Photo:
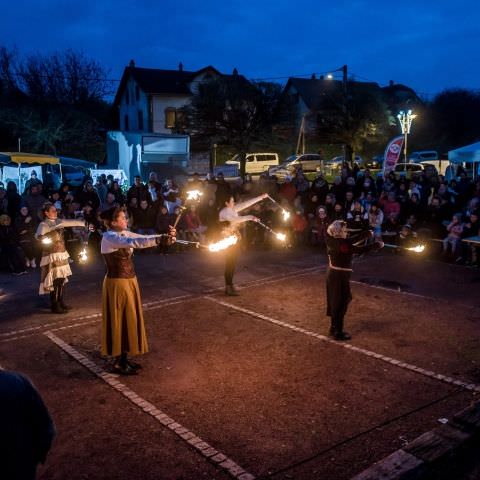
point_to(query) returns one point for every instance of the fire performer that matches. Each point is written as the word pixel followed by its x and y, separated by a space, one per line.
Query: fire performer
pixel 123 328
pixel 340 251
pixel 231 220
pixel 54 266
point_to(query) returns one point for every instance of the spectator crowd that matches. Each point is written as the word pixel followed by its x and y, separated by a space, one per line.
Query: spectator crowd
pixel 397 209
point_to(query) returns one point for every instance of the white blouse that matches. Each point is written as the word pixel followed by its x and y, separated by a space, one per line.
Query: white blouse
pixel 112 240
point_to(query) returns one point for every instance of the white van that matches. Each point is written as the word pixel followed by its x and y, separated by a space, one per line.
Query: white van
pixel 424 155
pixel 255 162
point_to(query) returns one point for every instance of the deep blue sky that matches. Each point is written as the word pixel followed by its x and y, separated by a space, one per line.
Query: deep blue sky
pixel 428 45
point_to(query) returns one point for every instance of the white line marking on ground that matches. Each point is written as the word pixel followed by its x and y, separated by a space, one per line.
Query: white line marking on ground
pixel 193 440
pixel 348 346
pixel 18 334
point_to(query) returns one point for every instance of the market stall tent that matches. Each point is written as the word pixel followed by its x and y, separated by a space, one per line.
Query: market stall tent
pixel 467 154
pixel 30 158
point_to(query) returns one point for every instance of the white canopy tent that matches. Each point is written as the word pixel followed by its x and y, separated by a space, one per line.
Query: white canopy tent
pixel 469 155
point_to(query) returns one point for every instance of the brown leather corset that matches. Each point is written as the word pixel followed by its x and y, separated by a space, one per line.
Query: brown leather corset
pixel 119 264
pixel 58 242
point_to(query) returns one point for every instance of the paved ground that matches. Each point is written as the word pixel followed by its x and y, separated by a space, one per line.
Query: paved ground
pixel 249 386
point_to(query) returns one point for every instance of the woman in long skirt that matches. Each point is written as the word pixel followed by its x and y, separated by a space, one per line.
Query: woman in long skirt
pixel 123 328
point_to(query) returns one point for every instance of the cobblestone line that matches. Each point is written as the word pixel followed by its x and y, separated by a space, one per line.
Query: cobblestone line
pixel 190 438
pixel 348 346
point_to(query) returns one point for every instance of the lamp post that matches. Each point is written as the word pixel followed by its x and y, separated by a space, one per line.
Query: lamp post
pixel 405 120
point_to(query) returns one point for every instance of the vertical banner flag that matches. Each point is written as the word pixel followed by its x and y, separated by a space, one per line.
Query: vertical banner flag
pixel 392 154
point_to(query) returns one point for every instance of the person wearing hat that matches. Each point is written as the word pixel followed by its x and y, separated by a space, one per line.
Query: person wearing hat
pixel 123 328
pixel 340 251
pixel 54 265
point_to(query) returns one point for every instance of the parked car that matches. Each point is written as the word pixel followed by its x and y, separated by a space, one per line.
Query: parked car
pixel 417 157
pixel 308 162
pixel 375 162
pixel 256 162
pixel 336 162
pixel 412 170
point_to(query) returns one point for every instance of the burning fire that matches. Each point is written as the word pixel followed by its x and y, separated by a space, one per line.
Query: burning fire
pixel 223 244
pixel 417 248
pixel 286 215
pixel 281 236
pixel 194 194
pixel 47 241
pixel 83 256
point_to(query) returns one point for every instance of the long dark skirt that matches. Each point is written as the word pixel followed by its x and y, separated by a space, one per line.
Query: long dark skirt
pixel 338 296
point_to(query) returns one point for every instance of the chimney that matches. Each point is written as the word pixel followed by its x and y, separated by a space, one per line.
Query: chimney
pixel 235 72
pixel 180 67
pixel 132 63
pixel 314 77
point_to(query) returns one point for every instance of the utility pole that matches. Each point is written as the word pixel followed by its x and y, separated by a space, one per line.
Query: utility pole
pixel 346 148
pixel 301 136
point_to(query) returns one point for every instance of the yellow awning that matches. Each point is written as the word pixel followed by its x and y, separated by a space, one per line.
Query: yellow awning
pixel 19 157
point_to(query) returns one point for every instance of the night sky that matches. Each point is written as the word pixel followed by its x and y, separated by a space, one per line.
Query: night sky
pixel 428 45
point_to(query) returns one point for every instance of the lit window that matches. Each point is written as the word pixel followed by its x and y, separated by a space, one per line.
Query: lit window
pixel 170 118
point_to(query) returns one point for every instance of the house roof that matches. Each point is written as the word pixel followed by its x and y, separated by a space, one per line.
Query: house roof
pixel 313 91
pixel 161 82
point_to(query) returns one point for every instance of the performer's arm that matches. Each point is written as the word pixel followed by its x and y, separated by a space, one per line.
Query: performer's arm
pixel 230 215
pixel 248 203
pixel 113 240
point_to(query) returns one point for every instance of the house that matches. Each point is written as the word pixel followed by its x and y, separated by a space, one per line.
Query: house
pixel 311 95
pixel 150 104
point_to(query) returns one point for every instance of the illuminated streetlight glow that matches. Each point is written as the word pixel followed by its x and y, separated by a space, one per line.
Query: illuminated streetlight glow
pixel 405 120
pixel 329 76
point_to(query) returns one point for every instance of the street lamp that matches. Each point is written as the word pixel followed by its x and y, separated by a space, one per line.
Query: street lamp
pixel 405 120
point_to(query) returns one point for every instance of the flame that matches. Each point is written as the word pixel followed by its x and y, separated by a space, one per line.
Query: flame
pixel 83 256
pixel 47 241
pixel 417 248
pixel 194 194
pixel 286 215
pixel 281 236
pixel 223 244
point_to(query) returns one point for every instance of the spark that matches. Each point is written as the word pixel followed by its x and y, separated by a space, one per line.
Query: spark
pixel 281 236
pixel 46 241
pixel 223 244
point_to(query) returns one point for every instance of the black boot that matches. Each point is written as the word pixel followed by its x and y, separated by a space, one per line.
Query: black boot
pixel 336 330
pixel 122 366
pixel 61 302
pixel 54 305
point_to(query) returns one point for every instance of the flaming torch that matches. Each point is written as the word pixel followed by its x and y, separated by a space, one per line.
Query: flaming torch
pixel 83 255
pixel 416 249
pixel 285 213
pixel 223 244
pixel 47 241
pixel 279 236
pixel 194 195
